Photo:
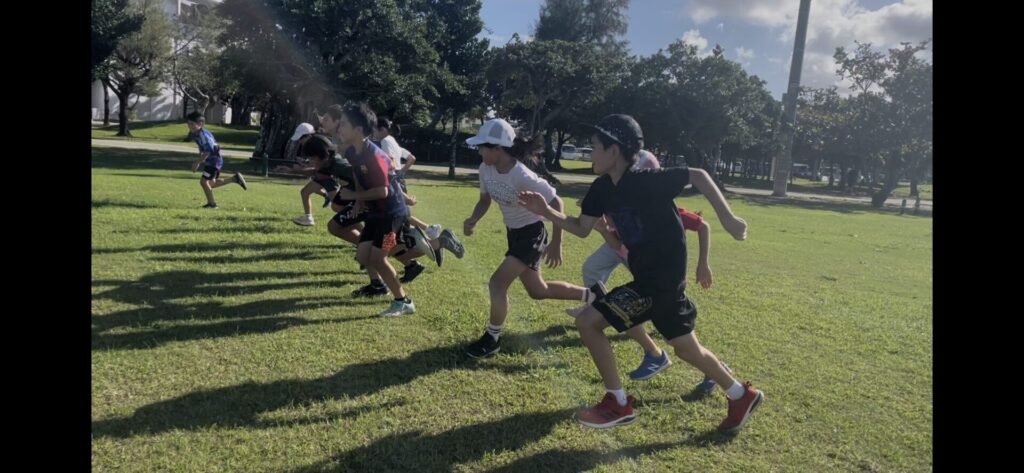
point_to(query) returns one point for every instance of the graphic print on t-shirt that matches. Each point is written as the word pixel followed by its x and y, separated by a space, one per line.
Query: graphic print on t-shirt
pixel 502 192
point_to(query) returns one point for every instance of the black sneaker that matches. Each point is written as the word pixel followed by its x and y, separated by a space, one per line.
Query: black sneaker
pixel 451 243
pixel 210 206
pixel 486 346
pixel 327 200
pixel 241 181
pixel 439 256
pixel 370 290
pixel 411 272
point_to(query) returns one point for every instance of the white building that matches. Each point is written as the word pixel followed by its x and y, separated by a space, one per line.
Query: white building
pixel 168 105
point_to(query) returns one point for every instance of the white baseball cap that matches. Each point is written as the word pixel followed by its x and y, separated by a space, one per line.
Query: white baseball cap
pixel 494 131
pixel 302 130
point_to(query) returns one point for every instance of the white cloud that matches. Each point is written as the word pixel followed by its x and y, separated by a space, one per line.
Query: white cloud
pixel 832 23
pixel 744 53
pixel 721 26
pixel 693 37
pixel 496 40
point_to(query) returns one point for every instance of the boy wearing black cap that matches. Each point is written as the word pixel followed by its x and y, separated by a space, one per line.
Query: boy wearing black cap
pixel 640 203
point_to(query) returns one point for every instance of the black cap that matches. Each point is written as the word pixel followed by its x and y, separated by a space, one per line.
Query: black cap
pixel 622 129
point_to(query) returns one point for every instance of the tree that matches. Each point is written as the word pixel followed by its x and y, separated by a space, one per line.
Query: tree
pixel 540 82
pixel 196 66
pixel 139 62
pixel 111 22
pixel 893 110
pixel 463 60
pixel 601 22
pixel 302 55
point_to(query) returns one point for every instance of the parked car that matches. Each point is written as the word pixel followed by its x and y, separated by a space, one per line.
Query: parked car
pixel 584 153
pixel 570 152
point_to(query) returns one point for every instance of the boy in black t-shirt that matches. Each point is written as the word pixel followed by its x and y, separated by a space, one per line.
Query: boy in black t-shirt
pixel 641 205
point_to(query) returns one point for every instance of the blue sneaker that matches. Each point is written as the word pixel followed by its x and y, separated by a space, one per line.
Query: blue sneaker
pixel 707 384
pixel 650 366
pixel 399 308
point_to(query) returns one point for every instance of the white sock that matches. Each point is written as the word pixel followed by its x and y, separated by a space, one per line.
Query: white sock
pixel 309 216
pixel 588 296
pixel 736 391
pixel 620 395
pixel 494 330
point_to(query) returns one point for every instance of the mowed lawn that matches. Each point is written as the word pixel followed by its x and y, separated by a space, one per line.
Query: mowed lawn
pixel 227 340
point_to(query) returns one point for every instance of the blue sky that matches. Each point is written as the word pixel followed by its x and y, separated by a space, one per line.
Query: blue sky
pixel 756 33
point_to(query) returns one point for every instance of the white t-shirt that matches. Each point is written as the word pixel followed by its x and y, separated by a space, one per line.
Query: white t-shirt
pixel 504 189
pixel 390 146
pixel 646 160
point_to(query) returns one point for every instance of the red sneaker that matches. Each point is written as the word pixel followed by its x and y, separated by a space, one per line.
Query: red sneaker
pixel 608 413
pixel 740 409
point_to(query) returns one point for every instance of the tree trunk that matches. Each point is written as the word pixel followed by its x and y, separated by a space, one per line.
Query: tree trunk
pixel 122 115
pixel 204 106
pixel 716 155
pixel 438 114
pixel 549 152
pixel 454 144
pixel 557 164
pixel 276 125
pixel 892 179
pixel 913 187
pixel 831 174
pixel 240 114
pixel 106 104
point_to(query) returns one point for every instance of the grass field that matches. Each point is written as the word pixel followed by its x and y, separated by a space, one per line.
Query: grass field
pixel 226 340
pixel 174 132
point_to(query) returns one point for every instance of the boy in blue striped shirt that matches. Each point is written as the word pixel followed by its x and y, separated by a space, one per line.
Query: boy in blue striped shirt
pixel 210 158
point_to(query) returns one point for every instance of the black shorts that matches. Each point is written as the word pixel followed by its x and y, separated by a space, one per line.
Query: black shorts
pixel 673 314
pixel 527 244
pixel 343 218
pixel 210 172
pixel 383 231
pixel 327 182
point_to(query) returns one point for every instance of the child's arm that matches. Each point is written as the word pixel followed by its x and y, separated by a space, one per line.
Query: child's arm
pixel 478 212
pixel 704 275
pixel 409 160
pixel 304 170
pixel 736 226
pixel 202 157
pixel 409 200
pixel 609 238
pixel 579 226
pixel 553 254
pixel 376 193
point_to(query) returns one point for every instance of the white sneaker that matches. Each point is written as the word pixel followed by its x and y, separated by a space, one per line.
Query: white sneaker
pixel 398 309
pixel 433 231
pixel 305 220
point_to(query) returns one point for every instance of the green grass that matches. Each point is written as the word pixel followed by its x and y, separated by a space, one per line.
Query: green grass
pixel 226 340
pixel 818 187
pixel 576 166
pixel 174 132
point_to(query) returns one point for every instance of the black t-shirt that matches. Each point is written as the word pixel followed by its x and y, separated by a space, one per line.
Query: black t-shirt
pixel 641 207
pixel 342 171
